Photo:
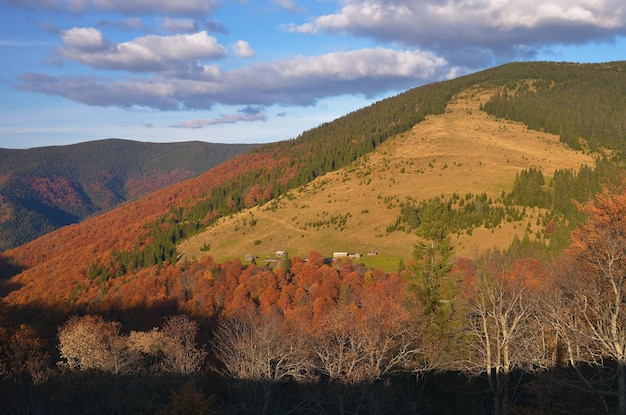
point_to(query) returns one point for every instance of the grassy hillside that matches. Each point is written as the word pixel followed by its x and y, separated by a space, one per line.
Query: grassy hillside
pixel 461 151
pixel 44 188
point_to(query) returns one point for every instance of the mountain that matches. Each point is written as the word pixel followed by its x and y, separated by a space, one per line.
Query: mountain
pixel 42 189
pixel 458 154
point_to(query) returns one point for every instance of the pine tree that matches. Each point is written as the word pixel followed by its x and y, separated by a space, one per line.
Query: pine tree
pixel 428 273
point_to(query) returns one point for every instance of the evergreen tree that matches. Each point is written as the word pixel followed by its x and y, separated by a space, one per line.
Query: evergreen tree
pixel 429 274
pixel 434 217
pixel 430 268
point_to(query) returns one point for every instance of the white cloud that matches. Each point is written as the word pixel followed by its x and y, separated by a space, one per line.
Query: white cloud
pixel 307 28
pixel 365 63
pixel 491 27
pixel 297 81
pixel 224 119
pixel 83 38
pixel 243 49
pixel 144 54
pixel 179 25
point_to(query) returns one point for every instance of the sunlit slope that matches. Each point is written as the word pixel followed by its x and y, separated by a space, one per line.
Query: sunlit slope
pixel 463 151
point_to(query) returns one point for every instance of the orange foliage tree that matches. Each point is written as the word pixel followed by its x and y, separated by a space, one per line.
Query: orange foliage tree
pixel 595 294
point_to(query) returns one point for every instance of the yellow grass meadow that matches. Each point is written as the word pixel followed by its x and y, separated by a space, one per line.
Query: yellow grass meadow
pixel 463 150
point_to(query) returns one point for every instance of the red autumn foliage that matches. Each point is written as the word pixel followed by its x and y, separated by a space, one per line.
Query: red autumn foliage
pixel 141 185
pixel 55 264
pixel 58 191
pixel 306 295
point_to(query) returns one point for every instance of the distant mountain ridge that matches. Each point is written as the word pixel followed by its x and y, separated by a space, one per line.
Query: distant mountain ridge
pixel 44 188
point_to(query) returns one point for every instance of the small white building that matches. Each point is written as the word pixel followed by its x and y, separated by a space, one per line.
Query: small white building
pixel 347 254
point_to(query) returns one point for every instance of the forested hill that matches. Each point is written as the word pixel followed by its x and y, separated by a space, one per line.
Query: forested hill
pixel 47 187
pixel 146 234
pixel 583 103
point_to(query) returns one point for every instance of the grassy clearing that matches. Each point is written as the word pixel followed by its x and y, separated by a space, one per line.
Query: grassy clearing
pixel 462 151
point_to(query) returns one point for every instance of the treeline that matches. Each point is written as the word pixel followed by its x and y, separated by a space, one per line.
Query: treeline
pixel 583 104
pixel 459 214
pixel 497 334
pixel 87 161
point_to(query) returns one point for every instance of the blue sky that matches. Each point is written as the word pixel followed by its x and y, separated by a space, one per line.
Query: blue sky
pixel 260 71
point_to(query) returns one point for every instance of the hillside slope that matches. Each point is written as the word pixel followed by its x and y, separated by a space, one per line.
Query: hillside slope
pixel 338 187
pixel 461 151
pixel 44 188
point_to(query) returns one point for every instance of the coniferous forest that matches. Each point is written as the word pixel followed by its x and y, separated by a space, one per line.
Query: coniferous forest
pixel 103 318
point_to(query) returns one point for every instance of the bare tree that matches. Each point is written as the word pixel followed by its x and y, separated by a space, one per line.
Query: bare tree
pixel 502 327
pixel 90 342
pixel 261 349
pixel 595 331
pixel 360 345
pixel 181 354
pixel 172 347
pixel 573 347
pixel 353 349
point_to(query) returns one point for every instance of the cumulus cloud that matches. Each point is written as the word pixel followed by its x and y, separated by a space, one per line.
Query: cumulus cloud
pixel 486 27
pixel 243 49
pixel 83 38
pixel 144 54
pixel 198 8
pixel 297 81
